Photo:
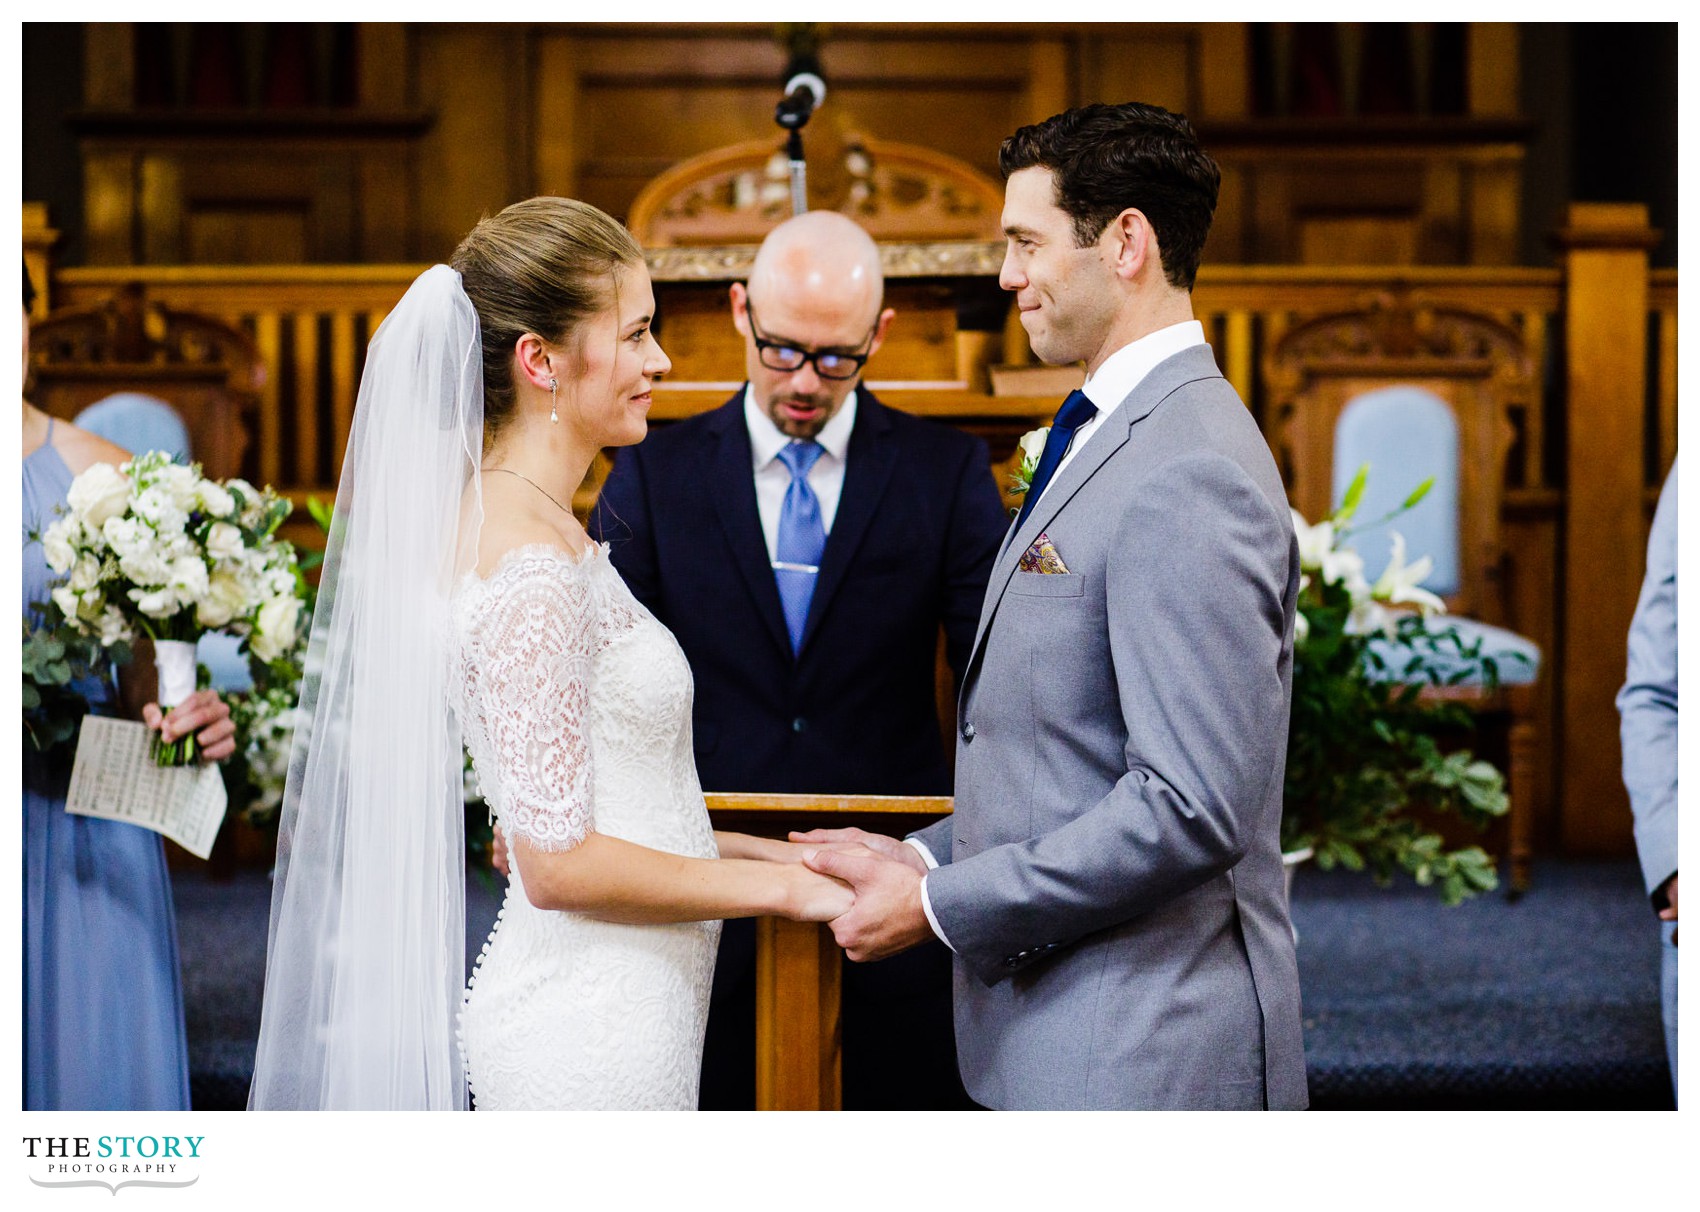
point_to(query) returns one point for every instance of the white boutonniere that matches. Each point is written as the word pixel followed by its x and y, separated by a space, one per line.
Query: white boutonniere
pixel 1032 446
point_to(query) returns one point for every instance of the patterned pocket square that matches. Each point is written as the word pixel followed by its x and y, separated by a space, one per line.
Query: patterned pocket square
pixel 1042 557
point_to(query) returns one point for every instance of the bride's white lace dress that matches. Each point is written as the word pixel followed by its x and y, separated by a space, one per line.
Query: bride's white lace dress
pixel 576 705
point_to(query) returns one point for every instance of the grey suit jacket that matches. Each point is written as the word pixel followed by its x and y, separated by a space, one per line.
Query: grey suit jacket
pixel 1647 704
pixel 1111 878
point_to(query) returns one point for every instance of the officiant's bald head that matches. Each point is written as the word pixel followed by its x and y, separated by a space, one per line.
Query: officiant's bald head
pixel 810 316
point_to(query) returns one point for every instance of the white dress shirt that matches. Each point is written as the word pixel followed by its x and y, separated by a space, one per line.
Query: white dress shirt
pixel 1115 380
pixel 773 477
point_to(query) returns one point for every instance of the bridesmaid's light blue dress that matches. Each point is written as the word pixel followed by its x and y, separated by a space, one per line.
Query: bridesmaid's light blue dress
pixel 103 997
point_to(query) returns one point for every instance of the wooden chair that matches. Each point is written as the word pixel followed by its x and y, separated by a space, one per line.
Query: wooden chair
pixel 204 368
pixel 897 191
pixel 1437 391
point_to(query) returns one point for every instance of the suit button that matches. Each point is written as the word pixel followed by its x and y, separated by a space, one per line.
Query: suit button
pixel 799 725
pixel 1011 961
pixel 968 731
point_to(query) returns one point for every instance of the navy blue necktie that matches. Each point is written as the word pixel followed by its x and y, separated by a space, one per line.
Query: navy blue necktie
pixel 1075 412
pixel 801 539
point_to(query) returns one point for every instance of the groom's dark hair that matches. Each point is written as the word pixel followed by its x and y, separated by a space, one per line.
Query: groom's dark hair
pixel 1107 158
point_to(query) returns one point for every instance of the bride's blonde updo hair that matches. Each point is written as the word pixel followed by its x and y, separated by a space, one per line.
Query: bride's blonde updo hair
pixel 545 265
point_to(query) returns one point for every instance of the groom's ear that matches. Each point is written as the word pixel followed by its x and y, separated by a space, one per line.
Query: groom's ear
pixel 1132 245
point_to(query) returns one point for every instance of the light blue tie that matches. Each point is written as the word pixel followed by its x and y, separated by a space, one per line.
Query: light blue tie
pixel 802 538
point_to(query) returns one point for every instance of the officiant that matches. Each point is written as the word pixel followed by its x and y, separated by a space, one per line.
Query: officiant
pixel 805 544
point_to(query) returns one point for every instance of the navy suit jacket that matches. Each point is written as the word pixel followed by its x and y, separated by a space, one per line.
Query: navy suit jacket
pixel 911 547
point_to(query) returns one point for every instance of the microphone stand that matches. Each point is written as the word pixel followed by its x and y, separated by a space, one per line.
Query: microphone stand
pixel 804 91
pixel 799 171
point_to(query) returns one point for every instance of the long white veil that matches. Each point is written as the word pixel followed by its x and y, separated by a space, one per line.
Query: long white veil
pixel 366 955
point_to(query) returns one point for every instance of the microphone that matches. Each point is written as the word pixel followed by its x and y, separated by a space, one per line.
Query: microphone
pixel 804 92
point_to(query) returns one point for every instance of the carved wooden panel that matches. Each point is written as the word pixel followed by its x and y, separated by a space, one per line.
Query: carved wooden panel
pixel 209 371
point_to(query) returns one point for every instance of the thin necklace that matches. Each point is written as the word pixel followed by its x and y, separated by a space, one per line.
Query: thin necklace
pixel 533 483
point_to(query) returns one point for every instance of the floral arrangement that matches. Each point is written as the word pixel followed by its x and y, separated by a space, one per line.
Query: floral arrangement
pixel 155 548
pixel 1365 767
pixel 266 715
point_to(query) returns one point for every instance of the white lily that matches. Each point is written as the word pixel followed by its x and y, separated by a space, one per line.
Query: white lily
pixel 1399 584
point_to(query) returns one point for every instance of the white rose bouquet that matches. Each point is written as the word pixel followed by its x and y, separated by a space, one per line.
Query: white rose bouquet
pixel 155 547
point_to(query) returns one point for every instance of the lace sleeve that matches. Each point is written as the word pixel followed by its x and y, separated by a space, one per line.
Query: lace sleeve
pixel 529 682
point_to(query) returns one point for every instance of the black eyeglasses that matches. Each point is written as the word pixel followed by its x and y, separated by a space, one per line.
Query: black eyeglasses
pixel 777 355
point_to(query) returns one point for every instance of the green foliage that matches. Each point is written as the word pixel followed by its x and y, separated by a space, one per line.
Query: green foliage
pixel 1367 754
pixel 59 664
pixel 1364 755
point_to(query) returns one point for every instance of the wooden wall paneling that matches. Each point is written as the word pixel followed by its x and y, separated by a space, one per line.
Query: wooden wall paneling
pixel 1604 549
pixel 331 221
pixel 343 384
pixel 304 408
pixel 109 65
pixel 39 238
pixel 1156 65
pixel 384 58
pixel 1050 81
pixel 109 204
pixel 268 340
pixel 1237 355
pixel 1495 207
pixel 385 216
pixel 160 209
pixel 1491 61
pixel 1667 390
pixel 1533 325
pixel 1224 70
pixel 1531 533
pixel 1443 207
pixel 555 156
pixel 469 162
pixel 1270 217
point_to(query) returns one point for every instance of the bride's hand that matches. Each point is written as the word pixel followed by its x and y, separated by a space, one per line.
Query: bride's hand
pixel 851 839
pixel 809 897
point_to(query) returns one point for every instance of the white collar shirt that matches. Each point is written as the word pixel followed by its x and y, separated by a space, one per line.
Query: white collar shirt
pixel 1125 370
pixel 773 477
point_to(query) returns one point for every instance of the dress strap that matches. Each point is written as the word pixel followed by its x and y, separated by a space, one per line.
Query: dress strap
pixel 51 422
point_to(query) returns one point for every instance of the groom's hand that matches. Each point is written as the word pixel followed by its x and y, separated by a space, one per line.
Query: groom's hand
pixel 887 916
pixel 879 843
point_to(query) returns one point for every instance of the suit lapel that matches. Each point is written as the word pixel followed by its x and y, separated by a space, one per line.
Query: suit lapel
pixel 1167 376
pixel 732 488
pixel 870 460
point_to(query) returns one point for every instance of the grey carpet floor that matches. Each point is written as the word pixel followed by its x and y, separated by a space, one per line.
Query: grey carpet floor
pixel 1550 1002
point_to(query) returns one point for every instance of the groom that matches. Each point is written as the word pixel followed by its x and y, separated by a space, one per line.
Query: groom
pixel 1110 882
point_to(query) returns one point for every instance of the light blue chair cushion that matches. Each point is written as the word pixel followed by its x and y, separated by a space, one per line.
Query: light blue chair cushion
pixel 1505 647
pixel 139 423
pixel 1405 434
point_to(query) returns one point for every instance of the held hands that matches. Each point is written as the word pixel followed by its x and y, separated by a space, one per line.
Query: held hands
pixel 1668 914
pixel 811 897
pixel 886 876
pixel 202 713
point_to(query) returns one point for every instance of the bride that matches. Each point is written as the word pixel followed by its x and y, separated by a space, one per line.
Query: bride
pixel 461 599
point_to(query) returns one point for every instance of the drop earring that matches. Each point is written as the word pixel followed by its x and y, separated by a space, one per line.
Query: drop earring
pixel 554 417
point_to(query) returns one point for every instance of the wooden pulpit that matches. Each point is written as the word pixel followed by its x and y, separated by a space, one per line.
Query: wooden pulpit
pixel 798 1036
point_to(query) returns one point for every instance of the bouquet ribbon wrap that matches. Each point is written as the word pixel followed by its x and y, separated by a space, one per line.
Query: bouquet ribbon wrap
pixel 174 661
